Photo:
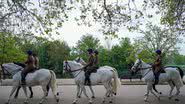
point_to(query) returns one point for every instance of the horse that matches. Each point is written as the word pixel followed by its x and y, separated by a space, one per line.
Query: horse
pixel 43 77
pixel 82 62
pixel 171 75
pixel 30 88
pixel 103 75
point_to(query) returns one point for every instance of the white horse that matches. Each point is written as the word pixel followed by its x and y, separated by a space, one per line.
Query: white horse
pixel 103 75
pixel 43 77
pixel 171 75
pixel 82 62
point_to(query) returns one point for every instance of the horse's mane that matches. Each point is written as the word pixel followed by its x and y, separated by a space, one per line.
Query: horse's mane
pixel 76 63
pixel 20 64
pixel 12 68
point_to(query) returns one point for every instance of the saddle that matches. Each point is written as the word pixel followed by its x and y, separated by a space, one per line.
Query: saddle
pixel 162 70
pixel 95 69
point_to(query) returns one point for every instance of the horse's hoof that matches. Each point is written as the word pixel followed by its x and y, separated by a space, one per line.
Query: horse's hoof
pixel 40 103
pixel 26 102
pixel 57 100
pixel 145 99
pixel 176 99
pixel 108 95
pixel 159 98
pixel 57 94
pixel 15 97
pixel 90 102
pixel 79 96
pixel 74 102
pixel 31 96
pixel 93 97
pixel 103 101
pixel 110 102
pixel 6 103
pixel 169 98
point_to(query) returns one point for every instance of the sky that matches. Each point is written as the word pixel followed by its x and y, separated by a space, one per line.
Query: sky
pixel 71 32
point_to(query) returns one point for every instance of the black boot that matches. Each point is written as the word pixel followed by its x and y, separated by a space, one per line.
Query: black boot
pixel 23 82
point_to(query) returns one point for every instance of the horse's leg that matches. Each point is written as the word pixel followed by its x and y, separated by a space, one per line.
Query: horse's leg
pixel 172 87
pixel 111 91
pixel 17 92
pixel 154 88
pixel 147 93
pixel 47 87
pixel 31 92
pixel 25 92
pixel 80 92
pixel 77 94
pixel 84 91
pixel 11 93
pixel 107 91
pixel 55 94
pixel 45 94
pixel 150 89
pixel 90 87
pixel 177 93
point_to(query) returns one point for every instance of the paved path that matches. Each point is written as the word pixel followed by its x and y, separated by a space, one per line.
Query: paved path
pixel 8 82
pixel 128 94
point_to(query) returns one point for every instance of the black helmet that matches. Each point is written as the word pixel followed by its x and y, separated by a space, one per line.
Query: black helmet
pixel 90 50
pixel 96 52
pixel 158 51
pixel 29 52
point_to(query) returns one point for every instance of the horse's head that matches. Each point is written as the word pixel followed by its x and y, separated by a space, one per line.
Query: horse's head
pixel 11 68
pixel 71 66
pixel 137 66
pixel 80 60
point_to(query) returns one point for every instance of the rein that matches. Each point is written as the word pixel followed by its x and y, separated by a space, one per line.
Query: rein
pixel 70 71
pixel 142 68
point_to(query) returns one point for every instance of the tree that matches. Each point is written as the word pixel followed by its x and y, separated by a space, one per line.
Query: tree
pixel 120 54
pixel 10 52
pixel 87 41
pixel 156 37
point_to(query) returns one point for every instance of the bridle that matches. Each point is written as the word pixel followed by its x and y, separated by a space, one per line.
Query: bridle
pixel 68 69
pixel 137 66
pixel 140 64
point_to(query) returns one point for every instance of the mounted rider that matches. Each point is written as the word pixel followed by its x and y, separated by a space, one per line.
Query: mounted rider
pixel 157 66
pixel 96 60
pixel 36 60
pixel 89 67
pixel 30 66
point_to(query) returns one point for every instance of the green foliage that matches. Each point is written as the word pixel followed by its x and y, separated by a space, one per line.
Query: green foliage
pixel 9 51
pixel 87 41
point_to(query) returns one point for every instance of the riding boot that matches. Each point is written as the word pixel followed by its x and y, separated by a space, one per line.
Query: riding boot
pixel 23 75
pixel 87 79
pixel 156 78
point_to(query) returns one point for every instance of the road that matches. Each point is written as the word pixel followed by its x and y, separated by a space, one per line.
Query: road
pixel 127 94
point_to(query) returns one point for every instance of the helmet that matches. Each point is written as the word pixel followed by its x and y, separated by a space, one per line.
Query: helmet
pixel 158 51
pixel 90 50
pixel 96 52
pixel 29 52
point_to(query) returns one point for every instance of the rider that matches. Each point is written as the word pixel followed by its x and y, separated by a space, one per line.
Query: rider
pixel 36 60
pixel 157 66
pixel 89 67
pixel 96 60
pixel 30 65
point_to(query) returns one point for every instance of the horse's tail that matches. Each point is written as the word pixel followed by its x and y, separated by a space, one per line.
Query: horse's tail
pixel 116 82
pixel 176 77
pixel 181 72
pixel 53 83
